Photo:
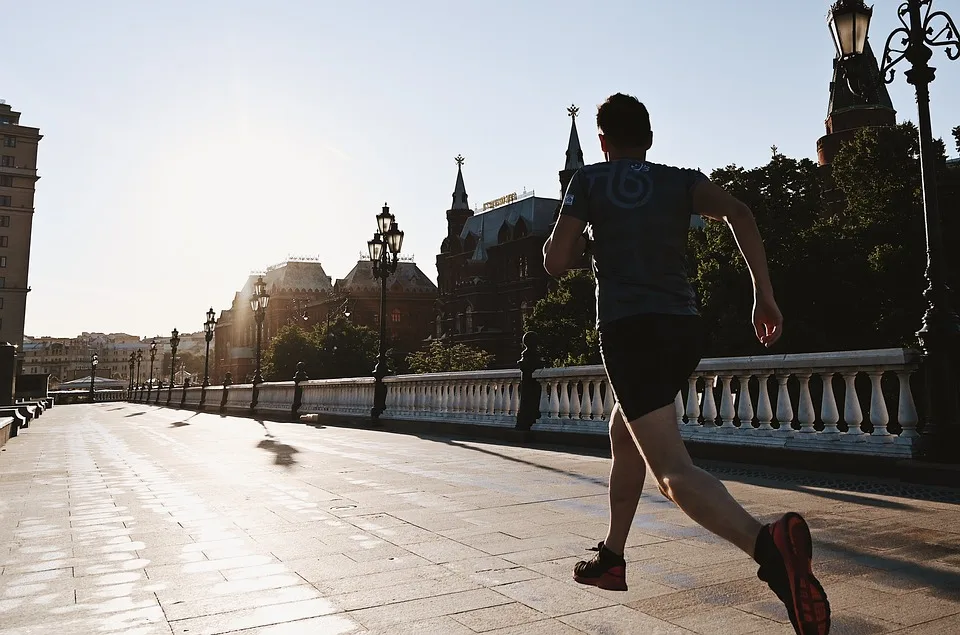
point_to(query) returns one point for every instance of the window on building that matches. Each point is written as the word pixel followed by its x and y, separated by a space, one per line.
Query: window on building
pixel 395 316
pixel 3 283
pixel 6 201
pixel 4 241
pixel 1 303
pixel 469 328
pixel 9 142
pixel 3 262
pixel 7 161
pixel 4 221
pixel 6 181
pixel 522 268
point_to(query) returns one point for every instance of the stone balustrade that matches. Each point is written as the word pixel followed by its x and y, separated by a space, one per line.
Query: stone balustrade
pixel 816 403
pixel 489 398
pixel 275 397
pixel 211 401
pixel 239 397
pixel 192 397
pixel 351 397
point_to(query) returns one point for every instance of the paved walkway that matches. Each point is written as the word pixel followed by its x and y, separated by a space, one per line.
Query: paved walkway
pixel 119 518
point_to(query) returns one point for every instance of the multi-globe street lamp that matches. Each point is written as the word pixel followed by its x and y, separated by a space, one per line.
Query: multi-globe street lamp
pixel 94 361
pixel 384 251
pixel 153 356
pixel 208 328
pixel 139 359
pixel 174 343
pixel 258 302
pixel 922 28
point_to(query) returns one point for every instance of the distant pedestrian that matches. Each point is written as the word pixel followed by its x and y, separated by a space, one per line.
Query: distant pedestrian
pixel 652 339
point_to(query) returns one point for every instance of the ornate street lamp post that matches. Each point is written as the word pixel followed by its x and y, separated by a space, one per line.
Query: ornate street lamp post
pixel 922 28
pixel 139 359
pixel 208 328
pixel 93 374
pixel 153 356
pixel 384 252
pixel 259 302
pixel 174 343
pixel 133 363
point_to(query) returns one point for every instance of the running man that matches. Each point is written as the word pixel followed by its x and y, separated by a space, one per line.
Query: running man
pixel 652 339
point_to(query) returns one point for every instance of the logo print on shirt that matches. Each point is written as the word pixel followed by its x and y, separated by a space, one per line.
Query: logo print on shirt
pixel 568 200
pixel 629 187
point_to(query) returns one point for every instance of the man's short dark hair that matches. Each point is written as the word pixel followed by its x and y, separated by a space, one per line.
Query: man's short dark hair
pixel 624 121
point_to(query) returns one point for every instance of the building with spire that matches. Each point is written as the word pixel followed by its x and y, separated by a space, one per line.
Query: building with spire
pixel 490 267
pixel 858 99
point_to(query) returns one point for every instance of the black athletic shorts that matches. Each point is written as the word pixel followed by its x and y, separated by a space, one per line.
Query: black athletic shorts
pixel 649 358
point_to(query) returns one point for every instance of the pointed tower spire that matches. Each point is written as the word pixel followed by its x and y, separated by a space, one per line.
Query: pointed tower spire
pixel 574 152
pixel 460 190
pixel 460 211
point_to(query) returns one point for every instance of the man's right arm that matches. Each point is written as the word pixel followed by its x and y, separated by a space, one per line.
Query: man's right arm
pixel 712 201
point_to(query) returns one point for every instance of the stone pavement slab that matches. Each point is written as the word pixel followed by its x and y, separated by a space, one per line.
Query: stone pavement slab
pixel 131 519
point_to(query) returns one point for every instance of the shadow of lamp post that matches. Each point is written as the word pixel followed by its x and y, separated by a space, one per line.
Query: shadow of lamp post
pixel 384 252
pixel 922 28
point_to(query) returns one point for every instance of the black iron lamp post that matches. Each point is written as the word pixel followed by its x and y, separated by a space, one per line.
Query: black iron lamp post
pixel 93 374
pixel 139 359
pixel 153 356
pixel 922 28
pixel 208 328
pixel 174 343
pixel 259 302
pixel 133 363
pixel 384 252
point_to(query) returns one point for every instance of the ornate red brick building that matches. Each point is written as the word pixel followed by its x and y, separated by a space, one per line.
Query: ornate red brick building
pixel 490 267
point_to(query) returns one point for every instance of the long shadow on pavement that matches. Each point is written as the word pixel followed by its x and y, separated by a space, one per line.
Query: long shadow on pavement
pixel 134 414
pixel 284 453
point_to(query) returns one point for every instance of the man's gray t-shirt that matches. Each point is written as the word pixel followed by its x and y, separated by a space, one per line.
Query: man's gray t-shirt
pixel 638 214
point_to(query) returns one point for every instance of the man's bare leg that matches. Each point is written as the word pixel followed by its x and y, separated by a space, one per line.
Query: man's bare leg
pixel 627 472
pixel 699 494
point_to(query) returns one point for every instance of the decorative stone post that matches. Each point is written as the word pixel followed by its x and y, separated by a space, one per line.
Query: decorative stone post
pixel 529 410
pixel 183 394
pixel 227 381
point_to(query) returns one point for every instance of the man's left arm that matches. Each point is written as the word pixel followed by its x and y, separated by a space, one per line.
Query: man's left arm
pixel 567 243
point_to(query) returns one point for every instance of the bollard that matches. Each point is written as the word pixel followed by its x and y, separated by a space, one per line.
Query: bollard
pixel 298 378
pixel 529 410
pixel 227 380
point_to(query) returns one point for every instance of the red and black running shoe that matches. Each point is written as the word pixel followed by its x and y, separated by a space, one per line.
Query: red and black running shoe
pixel 606 570
pixel 785 554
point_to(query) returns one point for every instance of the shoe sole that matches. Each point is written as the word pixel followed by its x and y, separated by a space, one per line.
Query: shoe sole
pixel 606 582
pixel 810 603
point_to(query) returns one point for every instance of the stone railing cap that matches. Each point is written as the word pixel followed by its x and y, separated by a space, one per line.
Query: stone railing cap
pixel 346 382
pixel 509 373
pixel 277 384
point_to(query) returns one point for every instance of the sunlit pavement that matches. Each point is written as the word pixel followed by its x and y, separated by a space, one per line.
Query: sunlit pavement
pixel 119 518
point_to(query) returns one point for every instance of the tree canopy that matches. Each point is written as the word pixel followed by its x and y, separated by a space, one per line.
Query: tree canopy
pixel 956 137
pixel 445 357
pixel 341 349
pixel 565 321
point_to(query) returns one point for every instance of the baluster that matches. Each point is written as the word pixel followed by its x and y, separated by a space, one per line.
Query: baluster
pixel 545 394
pixel 807 414
pixel 745 404
pixel 828 409
pixel 709 406
pixel 564 399
pixel 498 398
pixel 554 399
pixel 609 400
pixel 596 405
pixel 514 397
pixel 678 406
pixel 586 410
pixel 906 410
pixel 852 413
pixel 784 406
pixel 727 411
pixel 491 398
pixel 879 415
pixel 693 402
pixel 575 399
pixel 764 409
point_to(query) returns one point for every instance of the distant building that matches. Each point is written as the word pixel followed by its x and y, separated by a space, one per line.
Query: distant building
pixel 18 179
pixel 68 358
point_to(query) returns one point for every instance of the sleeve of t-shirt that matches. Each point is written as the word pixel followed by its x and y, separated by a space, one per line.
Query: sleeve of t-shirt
pixel 692 178
pixel 575 203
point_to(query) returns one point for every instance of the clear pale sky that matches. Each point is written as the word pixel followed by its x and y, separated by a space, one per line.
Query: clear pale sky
pixel 188 142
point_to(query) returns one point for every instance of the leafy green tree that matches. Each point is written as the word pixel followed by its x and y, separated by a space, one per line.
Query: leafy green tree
pixel 444 357
pixel 291 344
pixel 346 350
pixel 565 321
pixel 956 137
